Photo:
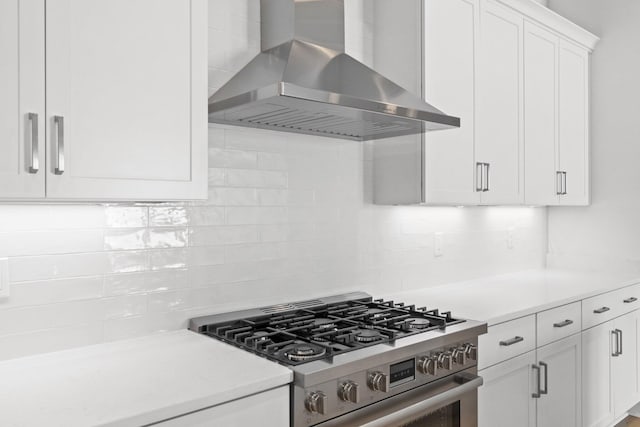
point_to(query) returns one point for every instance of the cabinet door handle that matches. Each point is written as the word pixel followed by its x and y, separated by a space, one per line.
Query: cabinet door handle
pixel 615 352
pixel 564 183
pixel 630 300
pixel 558 183
pixel 563 323
pixel 34 161
pixel 511 341
pixel 601 310
pixel 486 182
pixel 59 167
pixel 546 378
pixel 619 332
pixel 537 393
pixel 479 177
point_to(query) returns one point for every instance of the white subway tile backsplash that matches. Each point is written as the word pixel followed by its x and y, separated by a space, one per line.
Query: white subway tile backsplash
pixel 288 218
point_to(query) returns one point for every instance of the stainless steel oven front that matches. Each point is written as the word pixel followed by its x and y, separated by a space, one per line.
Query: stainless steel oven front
pixel 448 402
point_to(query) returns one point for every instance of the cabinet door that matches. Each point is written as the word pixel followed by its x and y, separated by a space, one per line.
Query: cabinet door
pixel 504 400
pixel 624 368
pixel 449 83
pixel 597 406
pixel 22 99
pixel 128 79
pixel 540 107
pixel 561 405
pixel 573 119
pixel 500 134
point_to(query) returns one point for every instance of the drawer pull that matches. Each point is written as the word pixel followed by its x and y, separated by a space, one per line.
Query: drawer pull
pixel 563 324
pixel 512 341
pixel 630 300
pixel 601 310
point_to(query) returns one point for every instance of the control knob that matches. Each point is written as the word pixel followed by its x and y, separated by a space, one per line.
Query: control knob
pixel 459 355
pixel 445 360
pixel 349 392
pixel 428 365
pixel 471 351
pixel 378 381
pixel 316 402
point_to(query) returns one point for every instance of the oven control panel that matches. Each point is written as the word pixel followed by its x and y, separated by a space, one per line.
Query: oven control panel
pixel 367 386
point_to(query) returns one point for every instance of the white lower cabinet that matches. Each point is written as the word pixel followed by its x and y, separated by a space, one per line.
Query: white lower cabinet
pixel 504 400
pixel 267 409
pixel 539 388
pixel 610 370
pixel 559 364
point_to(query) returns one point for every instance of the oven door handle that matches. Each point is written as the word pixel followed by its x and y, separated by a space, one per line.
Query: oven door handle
pixel 427 405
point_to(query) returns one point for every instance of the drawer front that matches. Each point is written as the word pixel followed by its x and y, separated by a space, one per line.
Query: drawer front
pixel 558 323
pixel 627 299
pixel 506 340
pixel 600 309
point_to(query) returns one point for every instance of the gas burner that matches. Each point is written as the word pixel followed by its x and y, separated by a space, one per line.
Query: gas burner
pixel 418 323
pixel 303 351
pixel 324 323
pixel 368 335
pixel 376 313
pixel 259 336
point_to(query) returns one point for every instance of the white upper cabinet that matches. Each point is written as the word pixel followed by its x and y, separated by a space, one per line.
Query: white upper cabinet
pixel 450 32
pixel 22 110
pixel 540 77
pixel 499 142
pixel 573 123
pixel 126 100
pixel 556 118
pixel 517 75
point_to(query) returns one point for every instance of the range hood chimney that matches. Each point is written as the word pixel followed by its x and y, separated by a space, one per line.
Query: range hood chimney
pixel 304 82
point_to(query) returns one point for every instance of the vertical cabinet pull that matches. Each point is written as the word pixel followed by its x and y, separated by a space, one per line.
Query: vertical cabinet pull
pixel 486 182
pixel 479 177
pixel 558 183
pixel 616 347
pixel 546 379
pixel 59 123
pixel 34 158
pixel 619 332
pixel 564 183
pixel 537 393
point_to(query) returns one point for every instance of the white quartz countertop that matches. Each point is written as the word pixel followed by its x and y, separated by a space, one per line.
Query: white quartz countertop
pixel 131 383
pixel 501 298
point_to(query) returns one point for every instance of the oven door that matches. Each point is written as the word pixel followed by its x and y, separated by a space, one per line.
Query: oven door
pixel 448 402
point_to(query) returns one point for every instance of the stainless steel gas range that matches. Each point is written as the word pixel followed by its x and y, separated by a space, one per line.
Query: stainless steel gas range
pixel 363 362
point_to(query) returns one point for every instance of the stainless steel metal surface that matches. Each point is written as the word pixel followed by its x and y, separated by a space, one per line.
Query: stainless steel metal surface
pixel 349 391
pixel 34 158
pixel 615 343
pixel 413 405
pixel 59 165
pixel 479 177
pixel 545 390
pixel 511 341
pixel 563 323
pixel 619 332
pixel 304 82
pixel 536 394
pixel 486 182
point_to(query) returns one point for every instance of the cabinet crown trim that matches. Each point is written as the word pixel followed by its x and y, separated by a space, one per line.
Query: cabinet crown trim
pixel 543 15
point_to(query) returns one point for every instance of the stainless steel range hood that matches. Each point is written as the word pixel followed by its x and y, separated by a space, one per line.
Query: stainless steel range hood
pixel 304 82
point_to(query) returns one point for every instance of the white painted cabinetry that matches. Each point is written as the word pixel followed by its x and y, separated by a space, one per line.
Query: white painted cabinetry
pixel 126 108
pixel 267 409
pixel 556 81
pixel 504 400
pixel 517 75
pixel 22 97
pixel 499 144
pixel 610 370
pixel 529 386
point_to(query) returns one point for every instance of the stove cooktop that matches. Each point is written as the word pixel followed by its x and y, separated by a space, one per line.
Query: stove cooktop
pixel 297 333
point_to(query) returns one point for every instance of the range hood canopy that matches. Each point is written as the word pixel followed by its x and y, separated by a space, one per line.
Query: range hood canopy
pixel 304 82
